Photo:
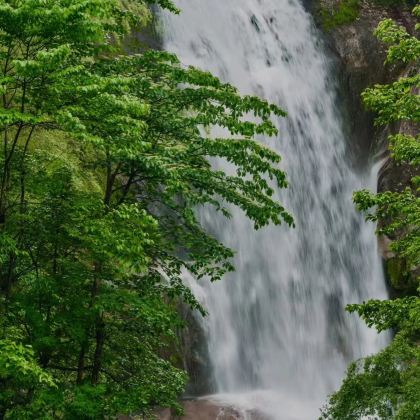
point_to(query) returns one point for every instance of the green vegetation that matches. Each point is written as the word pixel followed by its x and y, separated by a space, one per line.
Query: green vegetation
pixel 387 385
pixel 104 159
pixel 346 11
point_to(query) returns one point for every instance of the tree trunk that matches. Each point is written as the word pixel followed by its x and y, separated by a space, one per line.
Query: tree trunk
pixel 97 358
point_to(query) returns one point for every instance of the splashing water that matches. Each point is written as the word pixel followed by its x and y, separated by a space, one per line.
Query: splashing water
pixel 278 336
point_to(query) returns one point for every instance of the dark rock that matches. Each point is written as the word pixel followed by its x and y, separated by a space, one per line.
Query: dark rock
pixel 396 176
pixel 362 57
pixel 195 356
pixel 402 280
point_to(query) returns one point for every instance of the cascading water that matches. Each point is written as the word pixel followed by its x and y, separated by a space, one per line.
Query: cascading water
pixel 278 337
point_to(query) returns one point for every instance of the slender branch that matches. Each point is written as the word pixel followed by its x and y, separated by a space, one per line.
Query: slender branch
pixel 126 188
pixel 110 180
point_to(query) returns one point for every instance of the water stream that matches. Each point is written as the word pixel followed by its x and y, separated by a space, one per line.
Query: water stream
pixel 278 337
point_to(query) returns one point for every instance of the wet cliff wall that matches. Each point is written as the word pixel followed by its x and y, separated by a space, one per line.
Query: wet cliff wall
pixel 361 55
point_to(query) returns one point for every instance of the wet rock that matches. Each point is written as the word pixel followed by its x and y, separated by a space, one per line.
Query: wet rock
pixel 195 356
pixel 210 410
pixel 395 176
pixel 362 57
pixel 384 243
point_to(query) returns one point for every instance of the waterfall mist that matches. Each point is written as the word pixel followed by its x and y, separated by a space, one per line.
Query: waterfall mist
pixel 278 336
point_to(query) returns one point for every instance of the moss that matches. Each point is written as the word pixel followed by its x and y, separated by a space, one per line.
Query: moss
pixel 346 11
pixel 401 279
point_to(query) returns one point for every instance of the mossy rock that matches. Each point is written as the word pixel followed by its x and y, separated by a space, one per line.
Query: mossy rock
pixel 401 279
pixel 344 12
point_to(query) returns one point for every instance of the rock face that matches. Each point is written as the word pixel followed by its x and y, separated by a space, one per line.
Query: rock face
pixel 209 410
pixel 395 176
pixel 359 50
pixel 362 59
pixel 194 353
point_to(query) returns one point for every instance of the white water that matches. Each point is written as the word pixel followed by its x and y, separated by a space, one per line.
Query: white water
pixel 278 336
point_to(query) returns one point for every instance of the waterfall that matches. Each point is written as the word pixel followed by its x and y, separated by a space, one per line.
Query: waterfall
pixel 278 336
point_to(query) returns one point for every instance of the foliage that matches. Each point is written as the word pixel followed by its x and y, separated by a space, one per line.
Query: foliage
pixel 387 385
pixel 346 11
pixel 19 373
pixel 402 46
pixel 382 386
pixel 104 160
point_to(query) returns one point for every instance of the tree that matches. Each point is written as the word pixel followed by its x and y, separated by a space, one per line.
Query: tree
pixel 387 385
pixel 104 161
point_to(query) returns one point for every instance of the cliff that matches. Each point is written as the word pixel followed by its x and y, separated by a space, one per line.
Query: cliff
pixel 361 57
